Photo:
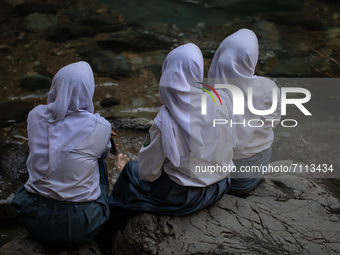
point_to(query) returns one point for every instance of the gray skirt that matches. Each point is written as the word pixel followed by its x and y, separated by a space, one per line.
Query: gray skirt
pixel 131 195
pixel 63 222
pixel 163 196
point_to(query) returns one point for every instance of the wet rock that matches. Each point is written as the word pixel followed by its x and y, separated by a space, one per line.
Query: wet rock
pixel 8 188
pixel 13 111
pixel 293 67
pixel 132 123
pixel 87 26
pixel 5 10
pixel 28 245
pixel 156 69
pixel 310 145
pixel 251 6
pixel 137 102
pixel 8 233
pixel 302 66
pixel 136 40
pixel 268 34
pixel 288 215
pixel 308 20
pixel 135 118
pixel 5 49
pixel 108 102
pixel 48 7
pixel 13 162
pixel 105 62
pixel 35 82
pixel 40 21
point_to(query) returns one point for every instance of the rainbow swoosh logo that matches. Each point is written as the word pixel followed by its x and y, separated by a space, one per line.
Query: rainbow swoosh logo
pixel 207 91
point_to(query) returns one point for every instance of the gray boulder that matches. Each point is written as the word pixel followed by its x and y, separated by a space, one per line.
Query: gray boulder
pixel 35 82
pixel 8 188
pixel 14 111
pixel 29 246
pixel 40 21
pixel 105 61
pixel 283 215
pixel 13 161
pixel 137 40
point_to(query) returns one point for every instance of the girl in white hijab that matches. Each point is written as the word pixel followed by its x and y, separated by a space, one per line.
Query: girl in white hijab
pixel 234 63
pixel 65 198
pixel 162 180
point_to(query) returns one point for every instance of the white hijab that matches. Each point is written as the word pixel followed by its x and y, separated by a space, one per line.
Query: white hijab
pixel 181 71
pixel 236 57
pixel 234 63
pixel 67 119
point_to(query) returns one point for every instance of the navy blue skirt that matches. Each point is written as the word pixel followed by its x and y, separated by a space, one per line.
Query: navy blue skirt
pixel 163 196
pixel 63 222
pixel 131 195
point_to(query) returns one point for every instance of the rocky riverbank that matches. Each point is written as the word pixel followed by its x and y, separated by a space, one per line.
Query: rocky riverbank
pixel 283 215
pixel 126 43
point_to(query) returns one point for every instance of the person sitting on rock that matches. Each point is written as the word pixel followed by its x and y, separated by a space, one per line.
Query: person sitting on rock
pixel 164 180
pixel 65 199
pixel 234 63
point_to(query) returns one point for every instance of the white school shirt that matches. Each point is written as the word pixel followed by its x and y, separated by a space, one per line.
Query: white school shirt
pixel 76 179
pixel 257 135
pixel 151 158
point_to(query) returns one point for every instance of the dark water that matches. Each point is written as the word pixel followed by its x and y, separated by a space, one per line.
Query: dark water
pixel 185 14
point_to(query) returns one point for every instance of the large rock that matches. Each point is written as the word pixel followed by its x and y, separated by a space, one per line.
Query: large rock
pixel 34 82
pixel 136 40
pixel 29 246
pixel 316 145
pixel 310 66
pixel 86 26
pixel 105 61
pixel 47 7
pixel 257 6
pixel 13 161
pixel 291 215
pixel 5 10
pixel 40 21
pixel 136 124
pixel 8 188
pixel 13 111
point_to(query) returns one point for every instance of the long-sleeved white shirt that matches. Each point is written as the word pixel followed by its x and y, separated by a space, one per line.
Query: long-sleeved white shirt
pixel 151 159
pixel 77 177
pixel 257 134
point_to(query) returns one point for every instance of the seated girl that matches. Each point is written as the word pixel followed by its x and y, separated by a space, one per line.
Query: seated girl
pixel 65 199
pixel 164 180
pixel 234 63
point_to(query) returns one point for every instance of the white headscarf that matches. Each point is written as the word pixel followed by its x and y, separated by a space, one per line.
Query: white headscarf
pixel 182 68
pixel 67 119
pixel 236 57
pixel 234 63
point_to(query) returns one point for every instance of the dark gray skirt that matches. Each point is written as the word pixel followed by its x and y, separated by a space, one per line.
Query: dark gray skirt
pixel 63 222
pixel 162 196
pixel 131 195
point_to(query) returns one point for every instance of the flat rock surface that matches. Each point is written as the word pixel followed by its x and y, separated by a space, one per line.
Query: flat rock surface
pixel 30 246
pixel 291 215
pixel 285 214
